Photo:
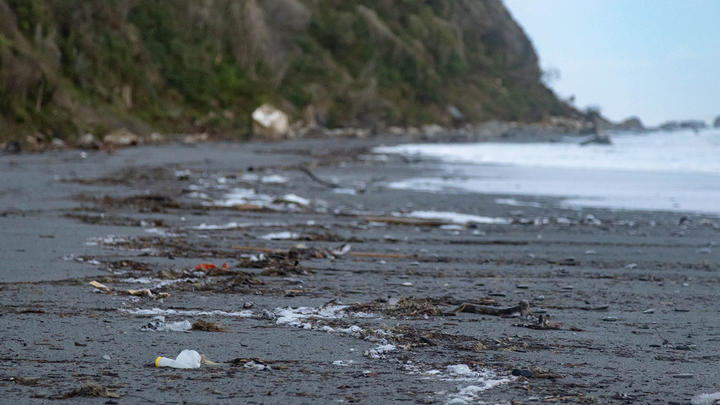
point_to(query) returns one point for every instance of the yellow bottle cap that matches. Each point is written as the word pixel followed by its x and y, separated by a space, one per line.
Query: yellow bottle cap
pixel 157 360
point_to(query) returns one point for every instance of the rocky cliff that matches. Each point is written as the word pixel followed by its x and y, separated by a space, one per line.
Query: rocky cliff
pixel 72 66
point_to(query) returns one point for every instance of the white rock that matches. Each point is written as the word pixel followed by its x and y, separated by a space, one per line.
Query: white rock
pixel 269 122
pixel 121 137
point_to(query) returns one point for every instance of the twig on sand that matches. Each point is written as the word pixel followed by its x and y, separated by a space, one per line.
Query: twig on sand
pixel 374 255
pixel 523 308
pixel 317 179
pixel 381 255
pixel 406 221
pixel 258 249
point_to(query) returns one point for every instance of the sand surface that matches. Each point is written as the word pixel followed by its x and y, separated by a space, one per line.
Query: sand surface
pixel 623 304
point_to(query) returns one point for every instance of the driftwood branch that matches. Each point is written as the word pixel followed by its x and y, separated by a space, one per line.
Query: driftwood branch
pixel 523 308
pixel 407 221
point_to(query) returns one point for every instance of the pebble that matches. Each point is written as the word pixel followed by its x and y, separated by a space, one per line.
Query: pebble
pixel 610 319
pixel 106 357
pixel 631 266
pixel 649 311
pixel 682 375
pixel 522 286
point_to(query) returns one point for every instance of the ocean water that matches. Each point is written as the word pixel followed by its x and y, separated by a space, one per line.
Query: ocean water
pixel 666 171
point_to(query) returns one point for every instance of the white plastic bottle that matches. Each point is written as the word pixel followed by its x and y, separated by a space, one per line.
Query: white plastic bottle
pixel 186 359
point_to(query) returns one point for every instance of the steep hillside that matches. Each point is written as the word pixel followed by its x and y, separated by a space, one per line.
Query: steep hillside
pixel 74 66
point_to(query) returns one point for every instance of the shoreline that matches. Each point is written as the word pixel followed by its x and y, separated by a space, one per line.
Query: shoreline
pixel 631 292
pixel 507 131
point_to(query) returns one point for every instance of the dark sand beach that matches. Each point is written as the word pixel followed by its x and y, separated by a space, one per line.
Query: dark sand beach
pixel 328 297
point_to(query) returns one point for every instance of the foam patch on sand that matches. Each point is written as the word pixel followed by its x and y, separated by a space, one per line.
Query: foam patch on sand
pixel 158 282
pixel 379 351
pixel 454 217
pixel 106 240
pixel 480 379
pixel 240 196
pixel 303 317
pixel 185 312
pixel 247 196
pixel 280 236
pixel 161 232
pixel 706 399
pixel 517 203
pixel 312 318
pixel 270 179
pixel 229 225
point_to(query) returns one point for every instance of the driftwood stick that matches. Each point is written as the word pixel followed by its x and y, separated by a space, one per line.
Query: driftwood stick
pixel 381 255
pixel 317 179
pixel 258 249
pixel 407 221
pixel 523 308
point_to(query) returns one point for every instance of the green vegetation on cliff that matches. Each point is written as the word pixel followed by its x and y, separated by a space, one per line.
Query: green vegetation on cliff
pixel 73 66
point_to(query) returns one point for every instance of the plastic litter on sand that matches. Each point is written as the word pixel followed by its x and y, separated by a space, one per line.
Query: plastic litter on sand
pixel 186 359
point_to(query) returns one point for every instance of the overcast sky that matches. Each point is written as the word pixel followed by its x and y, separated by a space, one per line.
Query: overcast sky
pixel 657 59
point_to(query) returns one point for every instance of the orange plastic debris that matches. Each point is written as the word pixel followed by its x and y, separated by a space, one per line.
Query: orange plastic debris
pixel 205 266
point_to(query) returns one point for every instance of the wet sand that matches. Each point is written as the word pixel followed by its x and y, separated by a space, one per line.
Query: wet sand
pixel 623 303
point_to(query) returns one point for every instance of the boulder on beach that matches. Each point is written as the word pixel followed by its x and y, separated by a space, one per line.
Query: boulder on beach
pixel 88 141
pixel 695 125
pixel 270 123
pixel 599 135
pixel 630 124
pixel 121 137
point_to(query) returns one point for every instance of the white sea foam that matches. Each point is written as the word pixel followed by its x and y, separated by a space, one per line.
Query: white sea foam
pixel 229 225
pixel 238 196
pixel 274 179
pixel 676 171
pixel 379 351
pixel 706 399
pixel 157 281
pixel 241 196
pixel 270 179
pixel 454 217
pixel 516 203
pixel 301 316
pixel 312 318
pixel 280 236
pixel 342 190
pixel 106 240
pixel 481 380
pixel 296 199
pixel 161 232
pixel 682 151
